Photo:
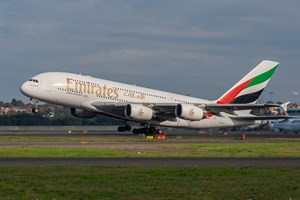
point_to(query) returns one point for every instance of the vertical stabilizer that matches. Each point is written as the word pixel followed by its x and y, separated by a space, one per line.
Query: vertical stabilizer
pixel 249 88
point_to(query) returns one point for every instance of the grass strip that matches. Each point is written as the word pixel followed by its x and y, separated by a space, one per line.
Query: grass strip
pixel 207 150
pixel 98 182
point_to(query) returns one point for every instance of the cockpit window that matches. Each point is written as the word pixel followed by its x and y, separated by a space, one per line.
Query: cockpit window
pixel 34 80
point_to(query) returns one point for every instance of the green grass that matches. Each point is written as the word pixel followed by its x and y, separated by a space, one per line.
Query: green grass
pixel 178 150
pixel 137 183
pixel 174 147
pixel 96 182
pixel 242 150
pixel 71 138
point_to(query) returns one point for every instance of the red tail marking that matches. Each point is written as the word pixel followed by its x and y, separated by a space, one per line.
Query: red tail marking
pixel 233 93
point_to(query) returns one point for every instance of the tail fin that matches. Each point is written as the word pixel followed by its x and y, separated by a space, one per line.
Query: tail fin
pixel 285 106
pixel 249 88
pixel 283 109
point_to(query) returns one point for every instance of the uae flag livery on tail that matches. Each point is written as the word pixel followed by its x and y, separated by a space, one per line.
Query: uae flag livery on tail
pixel 249 88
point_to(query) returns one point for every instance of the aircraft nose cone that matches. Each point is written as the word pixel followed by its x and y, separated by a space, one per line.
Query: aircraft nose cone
pixel 24 89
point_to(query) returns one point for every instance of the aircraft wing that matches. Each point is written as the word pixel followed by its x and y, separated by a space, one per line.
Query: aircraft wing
pixel 166 111
pixel 163 111
pixel 211 108
pixel 115 108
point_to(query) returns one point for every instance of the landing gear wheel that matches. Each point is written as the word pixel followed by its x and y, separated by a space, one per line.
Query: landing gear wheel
pixel 124 128
pixel 128 128
pixel 121 128
pixel 148 131
pixel 35 110
pixel 159 131
pixel 135 131
pixel 153 130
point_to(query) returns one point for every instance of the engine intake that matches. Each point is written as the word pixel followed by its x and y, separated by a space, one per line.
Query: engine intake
pixel 138 112
pixel 189 112
pixel 82 113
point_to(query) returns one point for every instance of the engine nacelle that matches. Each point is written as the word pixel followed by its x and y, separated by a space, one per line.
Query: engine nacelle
pixel 189 112
pixel 82 113
pixel 138 112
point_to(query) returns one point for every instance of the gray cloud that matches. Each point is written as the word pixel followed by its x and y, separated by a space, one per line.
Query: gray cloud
pixel 190 47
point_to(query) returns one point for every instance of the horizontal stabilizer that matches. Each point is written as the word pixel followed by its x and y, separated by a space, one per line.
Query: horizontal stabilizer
pixel 230 108
pixel 251 118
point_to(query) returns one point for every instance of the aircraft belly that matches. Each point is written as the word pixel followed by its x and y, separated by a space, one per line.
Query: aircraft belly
pixel 213 122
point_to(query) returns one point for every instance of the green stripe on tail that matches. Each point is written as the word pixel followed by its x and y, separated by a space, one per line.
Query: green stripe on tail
pixel 262 78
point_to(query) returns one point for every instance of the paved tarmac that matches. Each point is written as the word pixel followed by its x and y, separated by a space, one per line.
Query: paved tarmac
pixel 155 162
pixel 171 134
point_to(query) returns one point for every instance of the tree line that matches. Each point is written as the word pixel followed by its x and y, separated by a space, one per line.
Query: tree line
pixel 24 119
pixel 49 115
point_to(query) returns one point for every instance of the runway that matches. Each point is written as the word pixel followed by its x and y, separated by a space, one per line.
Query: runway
pixel 156 162
pixel 171 134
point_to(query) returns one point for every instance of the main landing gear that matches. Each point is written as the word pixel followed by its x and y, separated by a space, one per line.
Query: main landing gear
pixel 34 105
pixel 144 130
pixel 147 131
pixel 124 128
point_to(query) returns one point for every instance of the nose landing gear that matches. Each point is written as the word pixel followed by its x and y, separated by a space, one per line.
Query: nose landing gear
pixel 34 105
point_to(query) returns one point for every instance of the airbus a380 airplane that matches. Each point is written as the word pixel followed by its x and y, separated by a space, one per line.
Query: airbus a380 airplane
pixel 88 96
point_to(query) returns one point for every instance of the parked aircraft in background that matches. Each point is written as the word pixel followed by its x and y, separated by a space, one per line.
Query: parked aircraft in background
pixel 292 125
pixel 287 125
pixel 88 96
pixel 294 112
pixel 268 124
pixel 282 110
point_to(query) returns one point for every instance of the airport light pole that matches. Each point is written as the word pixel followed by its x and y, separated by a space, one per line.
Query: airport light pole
pixel 297 98
pixel 262 97
pixel 271 94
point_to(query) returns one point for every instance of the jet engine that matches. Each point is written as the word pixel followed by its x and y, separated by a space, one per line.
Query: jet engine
pixel 138 112
pixel 82 113
pixel 189 112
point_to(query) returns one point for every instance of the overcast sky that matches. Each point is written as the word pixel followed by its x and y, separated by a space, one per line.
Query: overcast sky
pixel 197 47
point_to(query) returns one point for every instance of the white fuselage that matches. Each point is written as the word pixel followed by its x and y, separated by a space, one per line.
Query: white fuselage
pixel 76 91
